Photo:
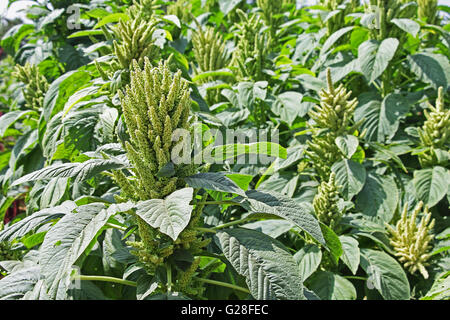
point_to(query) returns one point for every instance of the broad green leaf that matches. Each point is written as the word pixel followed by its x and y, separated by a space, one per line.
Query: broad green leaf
pixel 269 269
pixel 66 242
pixel 290 106
pixel 242 180
pixel 333 38
pixel 214 181
pixel 111 18
pixel 407 25
pixel 350 255
pixel 308 259
pixel 51 17
pixel 53 192
pixel 15 285
pixel 60 91
pixel 379 197
pixel 433 69
pixel 32 222
pixel 272 203
pixel 271 227
pixel 214 73
pixel 81 171
pixel 440 289
pixel 85 33
pixel 230 151
pixel 330 286
pixel 374 57
pixel 170 215
pixel 381 119
pixel 347 144
pixel 281 182
pixel 9 118
pixel 333 244
pixel 226 6
pixel 13 37
pixel 350 176
pixel 431 184
pixel 385 274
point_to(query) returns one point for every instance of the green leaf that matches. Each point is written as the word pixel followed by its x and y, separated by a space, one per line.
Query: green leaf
pixel 214 181
pixel 431 184
pixel 53 192
pixel 290 102
pixel 271 227
pixel 270 271
pixel 111 18
pixel 85 33
pixel 330 286
pixel 34 239
pixel 10 117
pixel 308 259
pixel 333 244
pixel 230 151
pixel 431 68
pixel 333 38
pixel 350 176
pixel 407 25
pixel 214 73
pixel 32 222
pixel 66 241
pixel 81 171
pixel 385 274
pixel 51 17
pixel 347 144
pixel 13 37
pixel 226 6
pixel 350 255
pixel 374 57
pixel 15 285
pixel 272 203
pixel 379 197
pixel 170 215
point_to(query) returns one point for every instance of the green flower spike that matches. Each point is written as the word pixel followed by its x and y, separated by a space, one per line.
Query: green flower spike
pixel 36 85
pixel 252 47
pixel 411 242
pixel 435 132
pixel 325 203
pixel 333 118
pixel 155 104
pixel 210 54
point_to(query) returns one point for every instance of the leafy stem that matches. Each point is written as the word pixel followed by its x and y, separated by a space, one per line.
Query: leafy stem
pixel 224 284
pixel 105 279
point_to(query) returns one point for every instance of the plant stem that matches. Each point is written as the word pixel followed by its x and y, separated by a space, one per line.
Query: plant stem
pixel 355 277
pixel 205 230
pixel 232 223
pixel 169 279
pixel 115 226
pixel 106 279
pixel 224 284
pixel 218 202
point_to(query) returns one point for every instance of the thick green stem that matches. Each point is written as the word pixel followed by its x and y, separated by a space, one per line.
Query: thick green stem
pixel 169 279
pixel 232 223
pixel 106 279
pixel 223 284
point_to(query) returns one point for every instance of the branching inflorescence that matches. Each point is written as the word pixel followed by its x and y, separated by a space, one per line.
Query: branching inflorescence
pixel 435 133
pixel 36 85
pixel 332 118
pixel 211 55
pixel 252 47
pixel 411 241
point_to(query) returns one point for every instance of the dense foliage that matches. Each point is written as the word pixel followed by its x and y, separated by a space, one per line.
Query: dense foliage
pixel 96 97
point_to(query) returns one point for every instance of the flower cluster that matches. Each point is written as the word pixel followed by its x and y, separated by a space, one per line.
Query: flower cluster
pixel 411 241
pixel 435 133
pixel 36 85
pixel 252 47
pixel 326 201
pixel 155 104
pixel 332 118
pixel 210 53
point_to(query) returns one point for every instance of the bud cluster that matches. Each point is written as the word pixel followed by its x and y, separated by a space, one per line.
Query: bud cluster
pixel 36 85
pixel 411 241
